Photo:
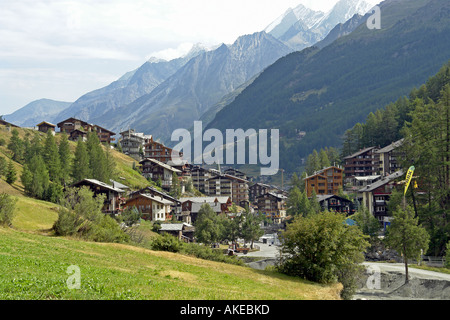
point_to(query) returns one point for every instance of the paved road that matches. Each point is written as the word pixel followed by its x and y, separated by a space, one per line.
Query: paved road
pixel 265 251
pixel 417 273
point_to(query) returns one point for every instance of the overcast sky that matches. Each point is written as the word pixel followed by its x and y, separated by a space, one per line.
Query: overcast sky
pixel 60 49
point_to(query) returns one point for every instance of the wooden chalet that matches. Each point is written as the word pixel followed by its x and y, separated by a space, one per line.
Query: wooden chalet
pixel 153 207
pixel 273 205
pixel 72 124
pixel 113 201
pixel 46 126
pixel 325 182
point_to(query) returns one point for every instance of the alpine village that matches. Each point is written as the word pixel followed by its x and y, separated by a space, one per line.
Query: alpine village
pixel 362 190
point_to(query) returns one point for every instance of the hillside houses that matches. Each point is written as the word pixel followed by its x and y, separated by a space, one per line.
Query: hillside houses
pixel 76 129
pixel 46 126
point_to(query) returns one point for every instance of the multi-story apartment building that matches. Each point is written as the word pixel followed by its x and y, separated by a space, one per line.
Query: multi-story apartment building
pixel 158 171
pixel 375 197
pixel 325 182
pixel 389 158
pixel 133 143
pixel 158 151
pixel 273 205
pixel 362 163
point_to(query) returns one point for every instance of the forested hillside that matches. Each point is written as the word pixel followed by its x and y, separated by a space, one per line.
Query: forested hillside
pixel 325 92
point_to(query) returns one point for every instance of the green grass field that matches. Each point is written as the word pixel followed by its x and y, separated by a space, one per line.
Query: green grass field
pixel 34 266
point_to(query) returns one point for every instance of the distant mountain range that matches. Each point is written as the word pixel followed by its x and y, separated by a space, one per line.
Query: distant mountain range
pixel 197 86
pixel 37 111
pixel 302 27
pixel 163 95
pixel 324 91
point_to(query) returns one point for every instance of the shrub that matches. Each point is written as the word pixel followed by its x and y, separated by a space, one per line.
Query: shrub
pixel 107 230
pixel 166 242
pixel 67 223
pixel 7 207
pixel 206 253
pixel 80 214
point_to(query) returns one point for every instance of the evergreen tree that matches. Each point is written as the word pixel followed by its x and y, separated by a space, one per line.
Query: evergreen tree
pixel 35 178
pixel 110 163
pixel 3 166
pixel 294 202
pixel 314 205
pixel 11 173
pixel 175 188
pixel 97 159
pixel 34 149
pixel 313 163
pixel 324 160
pixel 51 157
pixel 80 166
pixel 15 145
pixel 64 158
pixel 407 237
pixel 251 229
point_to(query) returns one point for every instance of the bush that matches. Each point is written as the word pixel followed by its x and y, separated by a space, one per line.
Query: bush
pixel 107 230
pixel 67 223
pixel 206 253
pixel 80 214
pixel 166 242
pixel 7 207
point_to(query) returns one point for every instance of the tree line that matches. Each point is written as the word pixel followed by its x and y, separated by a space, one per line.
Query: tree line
pixel 49 166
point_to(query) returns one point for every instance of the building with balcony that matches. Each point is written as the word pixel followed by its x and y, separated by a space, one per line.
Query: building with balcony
pixel 113 196
pixel 327 181
pixel 158 171
pixel 361 164
pixel 389 158
pixel 158 151
pixel 273 205
pixel 375 197
pixel 133 143
pixel 153 207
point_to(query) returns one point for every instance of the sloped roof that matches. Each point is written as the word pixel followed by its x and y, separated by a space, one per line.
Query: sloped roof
pixel 197 206
pixel 205 199
pixel 382 182
pixel 391 147
pixel 156 199
pixel 161 164
pixel 47 123
pixel 174 226
pixel 100 184
pixel 359 153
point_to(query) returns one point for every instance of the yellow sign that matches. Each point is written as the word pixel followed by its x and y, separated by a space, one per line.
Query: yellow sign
pixel 409 176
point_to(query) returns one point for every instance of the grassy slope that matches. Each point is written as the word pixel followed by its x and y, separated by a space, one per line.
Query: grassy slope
pixel 34 267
